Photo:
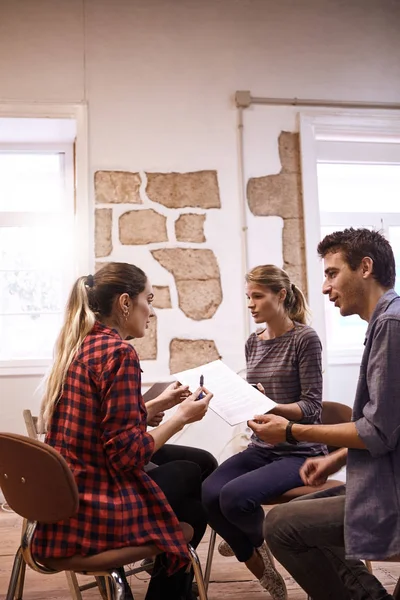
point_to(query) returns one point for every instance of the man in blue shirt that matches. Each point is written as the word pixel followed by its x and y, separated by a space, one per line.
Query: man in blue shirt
pixel 320 539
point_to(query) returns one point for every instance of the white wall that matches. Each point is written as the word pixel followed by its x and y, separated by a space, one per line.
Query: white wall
pixel 159 77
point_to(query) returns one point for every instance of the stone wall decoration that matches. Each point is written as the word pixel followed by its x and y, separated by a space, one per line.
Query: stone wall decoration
pixel 190 228
pixel 142 227
pixel 103 232
pixel 281 195
pixel 116 187
pixel 178 190
pixel 197 279
pixel 146 347
pixel 162 297
pixel 187 354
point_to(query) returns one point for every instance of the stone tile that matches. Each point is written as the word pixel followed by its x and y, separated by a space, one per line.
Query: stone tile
pixel 188 263
pixel 190 228
pixel 289 151
pixel 146 347
pixel 199 299
pixel 178 190
pixel 187 354
pixel 117 187
pixel 142 227
pixel 162 297
pixel 275 195
pixel 103 232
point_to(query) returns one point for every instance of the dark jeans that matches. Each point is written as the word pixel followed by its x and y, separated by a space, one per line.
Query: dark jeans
pixel 307 537
pixel 234 494
pixel 180 481
pixel 179 471
pixel 206 461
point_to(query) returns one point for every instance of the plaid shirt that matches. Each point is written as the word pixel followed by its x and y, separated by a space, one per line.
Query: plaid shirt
pixel 99 427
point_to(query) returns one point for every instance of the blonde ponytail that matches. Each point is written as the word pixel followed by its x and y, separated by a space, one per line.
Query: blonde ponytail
pixel 297 306
pixel 78 322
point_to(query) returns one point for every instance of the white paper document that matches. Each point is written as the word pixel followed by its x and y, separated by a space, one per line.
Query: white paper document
pixel 234 400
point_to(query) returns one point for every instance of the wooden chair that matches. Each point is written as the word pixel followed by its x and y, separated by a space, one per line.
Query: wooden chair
pixel 39 486
pixel 34 432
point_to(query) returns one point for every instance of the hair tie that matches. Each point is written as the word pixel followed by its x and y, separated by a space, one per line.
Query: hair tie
pixel 89 281
pixel 293 288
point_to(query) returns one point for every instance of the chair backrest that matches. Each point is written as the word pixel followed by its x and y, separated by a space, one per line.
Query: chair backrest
pixel 334 413
pixel 32 425
pixel 35 480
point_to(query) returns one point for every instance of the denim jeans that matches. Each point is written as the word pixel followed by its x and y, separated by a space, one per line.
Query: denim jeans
pixel 307 537
pixel 233 495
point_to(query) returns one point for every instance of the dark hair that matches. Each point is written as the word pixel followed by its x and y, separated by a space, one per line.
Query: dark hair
pixel 110 281
pixel 277 279
pixel 355 244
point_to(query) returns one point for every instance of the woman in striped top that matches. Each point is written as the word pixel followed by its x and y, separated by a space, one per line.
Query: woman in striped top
pixel 284 361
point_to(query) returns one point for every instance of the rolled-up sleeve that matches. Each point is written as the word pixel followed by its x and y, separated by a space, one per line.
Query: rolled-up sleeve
pixel 309 355
pixel 123 424
pixel 379 427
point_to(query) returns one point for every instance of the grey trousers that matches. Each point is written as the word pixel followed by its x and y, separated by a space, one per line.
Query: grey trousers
pixel 307 538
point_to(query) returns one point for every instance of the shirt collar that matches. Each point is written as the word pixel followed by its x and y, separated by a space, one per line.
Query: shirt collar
pixel 100 328
pixel 381 307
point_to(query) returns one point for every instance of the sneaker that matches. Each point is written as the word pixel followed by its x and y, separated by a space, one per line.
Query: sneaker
pixel 224 549
pixel 271 580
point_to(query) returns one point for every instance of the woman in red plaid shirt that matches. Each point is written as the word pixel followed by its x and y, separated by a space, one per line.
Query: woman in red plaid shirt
pixel 97 420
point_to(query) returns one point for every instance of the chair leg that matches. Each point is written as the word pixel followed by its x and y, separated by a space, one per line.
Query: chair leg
pixel 15 575
pixel 21 582
pixel 117 586
pixel 198 574
pixel 396 593
pixel 368 564
pixel 210 556
pixel 73 585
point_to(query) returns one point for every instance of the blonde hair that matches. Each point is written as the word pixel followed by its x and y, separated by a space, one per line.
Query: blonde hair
pixel 277 279
pixel 91 297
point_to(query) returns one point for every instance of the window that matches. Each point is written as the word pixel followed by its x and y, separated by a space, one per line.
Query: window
pixel 36 249
pixel 351 178
pixel 356 195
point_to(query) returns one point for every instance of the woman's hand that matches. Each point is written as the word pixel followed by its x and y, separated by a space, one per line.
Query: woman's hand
pixel 174 394
pixel 192 409
pixel 269 428
pixel 156 419
pixel 171 396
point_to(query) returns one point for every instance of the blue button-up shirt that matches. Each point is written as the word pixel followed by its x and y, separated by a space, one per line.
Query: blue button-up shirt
pixel 372 517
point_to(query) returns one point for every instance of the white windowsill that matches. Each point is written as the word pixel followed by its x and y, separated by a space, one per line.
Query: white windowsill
pixel 17 368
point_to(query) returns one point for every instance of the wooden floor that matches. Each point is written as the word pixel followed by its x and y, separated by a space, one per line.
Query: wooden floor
pixel 229 579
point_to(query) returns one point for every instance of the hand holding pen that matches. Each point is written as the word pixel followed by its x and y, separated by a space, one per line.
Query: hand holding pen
pixel 201 395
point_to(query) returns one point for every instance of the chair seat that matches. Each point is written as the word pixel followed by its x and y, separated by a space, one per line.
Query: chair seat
pixel 110 559
pixel 304 490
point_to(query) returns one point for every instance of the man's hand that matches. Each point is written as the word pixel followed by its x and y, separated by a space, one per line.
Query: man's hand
pixel 315 471
pixel 269 428
pixel 156 419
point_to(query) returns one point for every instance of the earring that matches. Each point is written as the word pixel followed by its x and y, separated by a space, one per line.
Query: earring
pixel 126 314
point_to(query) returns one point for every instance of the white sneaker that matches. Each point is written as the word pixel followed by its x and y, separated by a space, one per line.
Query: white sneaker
pixel 224 549
pixel 271 580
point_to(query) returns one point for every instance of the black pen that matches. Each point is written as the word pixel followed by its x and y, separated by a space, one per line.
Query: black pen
pixel 201 395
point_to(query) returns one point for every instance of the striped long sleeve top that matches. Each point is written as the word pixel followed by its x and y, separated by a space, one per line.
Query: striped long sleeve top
pixel 290 369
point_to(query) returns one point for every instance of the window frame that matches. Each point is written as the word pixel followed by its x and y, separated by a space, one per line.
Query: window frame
pixel 339 126
pixel 76 159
